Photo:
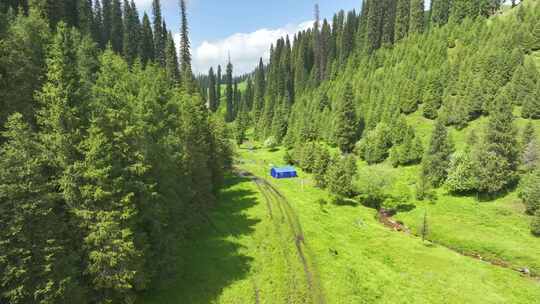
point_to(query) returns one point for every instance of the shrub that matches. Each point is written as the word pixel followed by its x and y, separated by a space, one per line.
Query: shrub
pixel 529 191
pixel 270 142
pixel 535 225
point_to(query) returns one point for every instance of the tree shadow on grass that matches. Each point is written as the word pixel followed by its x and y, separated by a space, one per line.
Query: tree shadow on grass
pixel 211 259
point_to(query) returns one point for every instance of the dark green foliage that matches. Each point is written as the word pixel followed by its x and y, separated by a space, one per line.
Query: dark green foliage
pixel 531 103
pixel 159 42
pixel 375 144
pixel 403 15
pixel 417 19
pixel 241 125
pixel 529 191
pixel 498 158
pixel 229 114
pixel 132 32
pixel 340 176
pixel 185 53
pixel 530 150
pixel 440 11
pixel 146 46
pixel 535 224
pixel 437 159
pixel 373 28
pixel 171 60
pixel 85 16
pixel 388 23
pixel 22 65
pixel 346 122
pixel 117 27
pixel 212 95
pixel 38 263
pixel 320 167
pixel 424 227
pixel 105 165
pixel 219 82
pixel 409 151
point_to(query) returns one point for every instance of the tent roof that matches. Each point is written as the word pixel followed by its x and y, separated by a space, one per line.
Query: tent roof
pixel 284 169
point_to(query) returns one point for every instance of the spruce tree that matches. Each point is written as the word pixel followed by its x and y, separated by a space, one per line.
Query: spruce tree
pixel 219 82
pixel 98 27
pixel 85 16
pixel 159 43
pixel 320 167
pixel 437 159
pixel 440 11
pixel 171 60
pixel 22 50
pixel 346 122
pixel 403 15
pixel 146 44
pixel 229 114
pixel 340 176
pixel 112 191
pixel 373 27
pixel 131 32
pixel 185 53
pixel 212 97
pixel 38 262
pixel 498 157
pixel 416 23
pixel 531 103
pixel 259 90
pixel 389 23
pixel 117 27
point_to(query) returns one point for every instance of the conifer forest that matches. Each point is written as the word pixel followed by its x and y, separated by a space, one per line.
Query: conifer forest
pixel 409 132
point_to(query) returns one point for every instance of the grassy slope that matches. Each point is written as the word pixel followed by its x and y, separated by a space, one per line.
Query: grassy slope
pixel 240 256
pixel 376 265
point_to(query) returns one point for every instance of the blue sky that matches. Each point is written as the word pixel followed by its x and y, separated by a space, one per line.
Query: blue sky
pixel 246 28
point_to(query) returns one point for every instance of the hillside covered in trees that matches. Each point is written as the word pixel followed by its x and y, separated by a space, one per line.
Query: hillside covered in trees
pixel 108 155
pixel 356 83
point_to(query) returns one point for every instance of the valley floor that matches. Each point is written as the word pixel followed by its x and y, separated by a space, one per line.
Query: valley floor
pixel 269 241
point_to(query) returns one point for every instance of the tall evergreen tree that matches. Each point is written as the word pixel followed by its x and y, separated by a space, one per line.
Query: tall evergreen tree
pixel 171 60
pixel 389 20
pixel 22 50
pixel 38 263
pixel 219 82
pixel 85 16
pixel 417 19
pixel 229 114
pixel 98 27
pixel 403 14
pixel 131 32
pixel 146 43
pixel 107 21
pixel 212 97
pixel 437 160
pixel 159 43
pixel 374 29
pixel 117 27
pixel 346 122
pixel 259 89
pixel 185 52
pixel 440 11
pixel 498 156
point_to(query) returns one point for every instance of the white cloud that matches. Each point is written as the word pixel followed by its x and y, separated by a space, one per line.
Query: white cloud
pixel 143 4
pixel 245 48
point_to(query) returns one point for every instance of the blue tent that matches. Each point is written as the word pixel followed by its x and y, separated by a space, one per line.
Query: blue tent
pixel 283 172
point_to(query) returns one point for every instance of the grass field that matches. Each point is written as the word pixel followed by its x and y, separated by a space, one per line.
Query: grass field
pixel 361 261
pixel 245 254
